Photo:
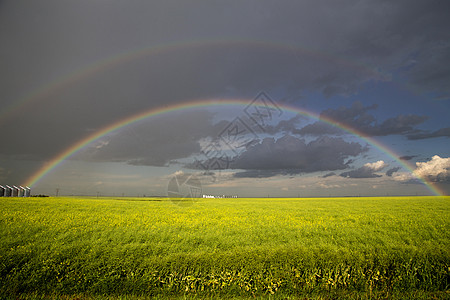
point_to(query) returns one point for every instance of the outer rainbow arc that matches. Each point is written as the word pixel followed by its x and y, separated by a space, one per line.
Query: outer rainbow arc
pixel 53 163
pixel 118 59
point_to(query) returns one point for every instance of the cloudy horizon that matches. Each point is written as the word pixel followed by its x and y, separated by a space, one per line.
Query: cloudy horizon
pixel 376 73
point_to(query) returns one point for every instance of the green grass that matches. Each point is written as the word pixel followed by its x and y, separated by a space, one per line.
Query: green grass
pixel 324 248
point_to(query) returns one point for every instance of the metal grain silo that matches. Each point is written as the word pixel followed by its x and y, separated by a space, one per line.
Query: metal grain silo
pixel 15 191
pixel 27 191
pixel 21 191
pixel 8 191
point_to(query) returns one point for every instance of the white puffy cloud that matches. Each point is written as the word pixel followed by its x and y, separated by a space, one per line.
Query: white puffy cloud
pixel 366 171
pixel 437 169
pixel 405 177
pixel 376 166
pixel 329 186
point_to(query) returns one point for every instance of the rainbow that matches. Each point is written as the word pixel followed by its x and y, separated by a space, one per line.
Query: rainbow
pixel 85 72
pixel 58 159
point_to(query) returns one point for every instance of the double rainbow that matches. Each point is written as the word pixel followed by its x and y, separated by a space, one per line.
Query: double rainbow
pixel 62 82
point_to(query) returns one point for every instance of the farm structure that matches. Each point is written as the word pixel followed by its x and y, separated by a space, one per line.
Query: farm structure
pixel 14 191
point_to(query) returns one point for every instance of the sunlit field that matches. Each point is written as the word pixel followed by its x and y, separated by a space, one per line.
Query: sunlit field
pixel 323 248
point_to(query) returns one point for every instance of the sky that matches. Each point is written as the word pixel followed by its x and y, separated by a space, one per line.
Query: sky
pixel 246 98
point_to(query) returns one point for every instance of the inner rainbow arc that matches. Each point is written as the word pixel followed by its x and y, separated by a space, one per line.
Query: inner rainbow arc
pixel 58 159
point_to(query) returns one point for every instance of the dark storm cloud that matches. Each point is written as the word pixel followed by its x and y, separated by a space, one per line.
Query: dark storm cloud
pixel 328 175
pixel 401 124
pixel 407 157
pixel 3 173
pixel 443 132
pixel 358 118
pixel 409 36
pixel 318 128
pixel 286 126
pixel 52 38
pixel 153 82
pixel 260 173
pixel 356 114
pixel 442 178
pixel 360 173
pixel 429 69
pixel 157 142
pixel 290 155
pixel 392 171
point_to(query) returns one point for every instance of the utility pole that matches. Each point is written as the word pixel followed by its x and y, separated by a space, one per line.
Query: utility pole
pixel 57 192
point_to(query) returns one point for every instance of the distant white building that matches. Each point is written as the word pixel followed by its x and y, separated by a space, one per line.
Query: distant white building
pixel 220 196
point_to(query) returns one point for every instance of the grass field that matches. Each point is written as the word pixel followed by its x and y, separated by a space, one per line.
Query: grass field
pixel 321 248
